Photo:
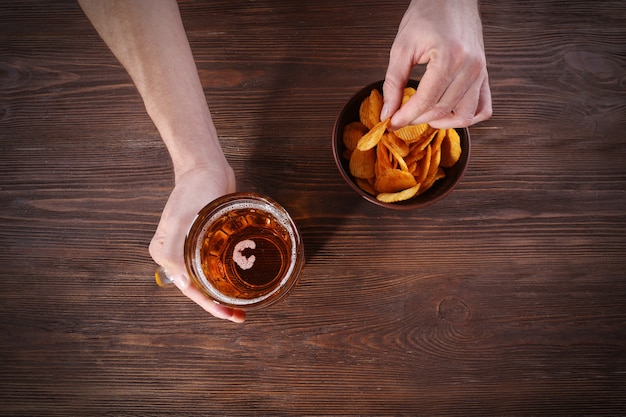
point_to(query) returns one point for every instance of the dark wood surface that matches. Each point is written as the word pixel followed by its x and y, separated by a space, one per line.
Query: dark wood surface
pixel 506 298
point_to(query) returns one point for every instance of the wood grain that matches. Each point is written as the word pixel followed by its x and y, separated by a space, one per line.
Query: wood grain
pixel 506 298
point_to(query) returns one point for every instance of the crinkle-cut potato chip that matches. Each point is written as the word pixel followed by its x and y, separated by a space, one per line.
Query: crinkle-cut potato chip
pixel 440 173
pixel 352 133
pixel 384 158
pixel 394 180
pixel 426 140
pixel 371 138
pixel 394 142
pixel 399 160
pixel 436 145
pixel 407 94
pixel 369 112
pixel 400 195
pixel 413 133
pixel 433 169
pixel 450 148
pixel 415 154
pixel 362 163
pixel 423 166
pixel 434 161
pixel 366 185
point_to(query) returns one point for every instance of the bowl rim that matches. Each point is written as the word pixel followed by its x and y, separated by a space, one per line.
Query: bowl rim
pixel 438 191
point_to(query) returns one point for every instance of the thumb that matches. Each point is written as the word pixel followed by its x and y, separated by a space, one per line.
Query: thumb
pixel 166 248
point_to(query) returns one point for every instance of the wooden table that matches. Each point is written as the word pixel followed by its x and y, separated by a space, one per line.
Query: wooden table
pixel 506 298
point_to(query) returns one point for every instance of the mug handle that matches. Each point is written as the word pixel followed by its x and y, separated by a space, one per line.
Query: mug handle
pixel 163 278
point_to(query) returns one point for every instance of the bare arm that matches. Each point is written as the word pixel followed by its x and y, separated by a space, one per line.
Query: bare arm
pixel 148 38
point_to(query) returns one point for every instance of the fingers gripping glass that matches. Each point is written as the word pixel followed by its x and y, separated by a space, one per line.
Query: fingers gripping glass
pixel 243 250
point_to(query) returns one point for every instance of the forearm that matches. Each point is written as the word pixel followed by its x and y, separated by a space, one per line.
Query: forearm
pixel 148 38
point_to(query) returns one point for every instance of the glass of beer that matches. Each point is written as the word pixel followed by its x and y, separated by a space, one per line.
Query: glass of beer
pixel 244 251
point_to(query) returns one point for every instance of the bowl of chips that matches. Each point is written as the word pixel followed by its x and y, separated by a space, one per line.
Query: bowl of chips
pixel 408 168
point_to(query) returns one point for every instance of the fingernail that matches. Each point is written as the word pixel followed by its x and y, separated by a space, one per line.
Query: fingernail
pixel 384 113
pixel 181 281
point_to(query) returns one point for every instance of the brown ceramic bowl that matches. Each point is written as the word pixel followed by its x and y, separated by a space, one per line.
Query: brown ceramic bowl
pixel 439 190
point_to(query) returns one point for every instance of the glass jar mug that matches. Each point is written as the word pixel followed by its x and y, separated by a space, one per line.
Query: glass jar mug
pixel 243 250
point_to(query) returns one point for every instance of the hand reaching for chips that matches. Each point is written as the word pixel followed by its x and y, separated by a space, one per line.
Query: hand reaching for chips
pixel 399 165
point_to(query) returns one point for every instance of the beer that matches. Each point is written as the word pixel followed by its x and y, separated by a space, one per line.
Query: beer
pixel 244 251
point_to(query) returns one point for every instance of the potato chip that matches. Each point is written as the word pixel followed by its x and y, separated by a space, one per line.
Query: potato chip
pixel 371 138
pixel 423 166
pixel 450 148
pixel 436 143
pixel 407 94
pixel 394 142
pixel 426 140
pixel 366 185
pixel 394 180
pixel 352 133
pixel 413 133
pixel 399 196
pixel 384 160
pixel 371 106
pixel 396 157
pixel 433 168
pixel 426 185
pixel 415 154
pixel 434 161
pixel 362 163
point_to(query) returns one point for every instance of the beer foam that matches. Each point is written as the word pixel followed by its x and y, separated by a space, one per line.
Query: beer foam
pixel 244 262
